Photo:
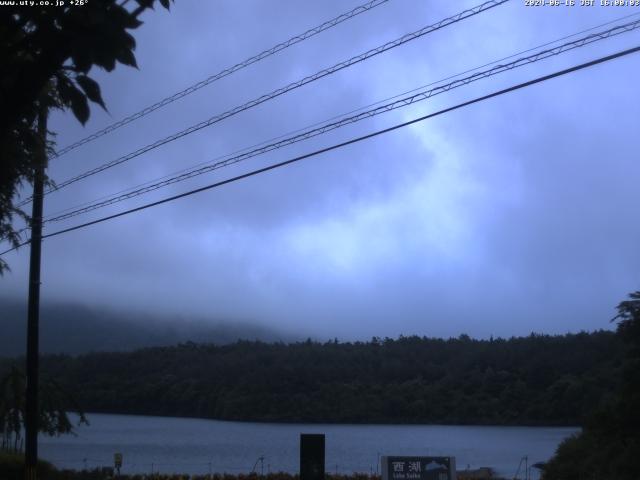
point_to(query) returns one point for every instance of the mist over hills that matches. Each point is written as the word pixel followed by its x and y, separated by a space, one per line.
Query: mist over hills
pixel 76 329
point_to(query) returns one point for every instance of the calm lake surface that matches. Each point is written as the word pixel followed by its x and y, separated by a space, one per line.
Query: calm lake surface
pixel 181 445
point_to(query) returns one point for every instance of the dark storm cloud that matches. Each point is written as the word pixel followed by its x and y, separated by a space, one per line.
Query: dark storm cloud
pixel 504 218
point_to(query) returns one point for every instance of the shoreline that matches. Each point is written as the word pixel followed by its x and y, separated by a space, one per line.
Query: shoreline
pixel 353 424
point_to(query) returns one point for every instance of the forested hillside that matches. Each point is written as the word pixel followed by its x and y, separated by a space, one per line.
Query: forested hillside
pixel 535 380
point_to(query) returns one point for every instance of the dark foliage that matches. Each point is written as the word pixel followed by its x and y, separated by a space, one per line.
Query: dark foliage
pixel 53 419
pixel 46 54
pixel 609 446
pixel 11 469
pixel 536 380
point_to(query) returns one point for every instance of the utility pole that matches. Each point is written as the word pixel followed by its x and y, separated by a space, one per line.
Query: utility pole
pixel 33 312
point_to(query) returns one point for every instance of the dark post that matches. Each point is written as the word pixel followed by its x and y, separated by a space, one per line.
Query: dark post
pixel 312 456
pixel 33 312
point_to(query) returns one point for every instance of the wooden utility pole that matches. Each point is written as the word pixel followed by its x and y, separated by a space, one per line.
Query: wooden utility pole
pixel 33 312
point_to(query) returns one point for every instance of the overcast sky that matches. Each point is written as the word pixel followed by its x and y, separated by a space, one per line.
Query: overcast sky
pixel 514 215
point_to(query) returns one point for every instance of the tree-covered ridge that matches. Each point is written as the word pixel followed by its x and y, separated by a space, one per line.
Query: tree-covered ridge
pixel 535 380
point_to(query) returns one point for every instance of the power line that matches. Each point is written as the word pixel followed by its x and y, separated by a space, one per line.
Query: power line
pixel 410 100
pixel 276 93
pixel 226 72
pixel 344 144
pixel 335 117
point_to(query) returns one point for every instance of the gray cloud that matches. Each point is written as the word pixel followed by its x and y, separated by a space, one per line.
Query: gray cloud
pixel 511 216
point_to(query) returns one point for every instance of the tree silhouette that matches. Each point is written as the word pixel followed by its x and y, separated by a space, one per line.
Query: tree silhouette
pixel 46 53
pixel 55 403
pixel 609 445
pixel 12 404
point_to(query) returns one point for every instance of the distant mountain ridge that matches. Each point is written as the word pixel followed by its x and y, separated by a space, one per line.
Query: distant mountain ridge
pixel 76 329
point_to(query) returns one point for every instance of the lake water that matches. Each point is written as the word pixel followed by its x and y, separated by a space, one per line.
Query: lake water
pixel 197 446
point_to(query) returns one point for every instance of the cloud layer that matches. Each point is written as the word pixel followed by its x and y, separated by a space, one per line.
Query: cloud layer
pixel 510 216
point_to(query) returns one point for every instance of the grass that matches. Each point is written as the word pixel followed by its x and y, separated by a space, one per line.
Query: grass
pixel 12 468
